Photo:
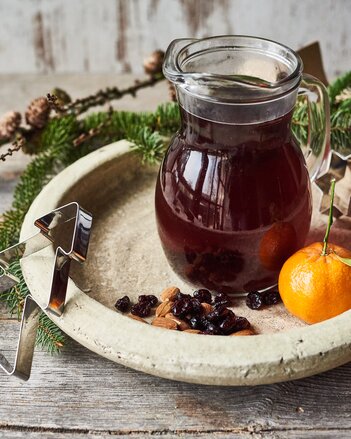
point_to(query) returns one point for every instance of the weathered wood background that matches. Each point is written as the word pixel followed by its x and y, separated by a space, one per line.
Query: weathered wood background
pixel 79 394
pixel 41 36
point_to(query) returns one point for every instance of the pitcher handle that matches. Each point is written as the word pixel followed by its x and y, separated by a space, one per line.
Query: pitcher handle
pixel 317 150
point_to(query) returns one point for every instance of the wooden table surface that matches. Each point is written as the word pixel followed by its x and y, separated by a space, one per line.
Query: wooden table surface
pixel 79 394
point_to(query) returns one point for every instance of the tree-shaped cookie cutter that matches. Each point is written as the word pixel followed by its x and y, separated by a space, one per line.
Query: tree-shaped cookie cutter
pixel 31 309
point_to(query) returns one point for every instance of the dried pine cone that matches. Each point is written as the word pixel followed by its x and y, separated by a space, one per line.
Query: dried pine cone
pixel 172 92
pixel 9 124
pixel 37 113
pixel 153 63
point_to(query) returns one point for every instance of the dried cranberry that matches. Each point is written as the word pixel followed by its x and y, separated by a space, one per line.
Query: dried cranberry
pixel 203 295
pixel 229 322
pixel 271 297
pixel 218 313
pixel 182 307
pixel 180 296
pixel 221 299
pixel 197 322
pixel 141 310
pixel 123 304
pixel 149 299
pixel 212 329
pixel 197 307
pixel 240 324
pixel 254 300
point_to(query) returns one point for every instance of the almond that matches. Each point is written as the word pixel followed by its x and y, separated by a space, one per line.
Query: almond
pixel 163 309
pixel 192 331
pixel 139 319
pixel 244 332
pixel 182 325
pixel 162 322
pixel 169 294
pixel 207 308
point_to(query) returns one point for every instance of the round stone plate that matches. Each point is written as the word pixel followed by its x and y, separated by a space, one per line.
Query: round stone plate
pixel 125 257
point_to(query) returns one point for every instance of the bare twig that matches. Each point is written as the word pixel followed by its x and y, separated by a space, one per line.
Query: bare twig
pixel 16 146
pixel 101 97
pixel 93 131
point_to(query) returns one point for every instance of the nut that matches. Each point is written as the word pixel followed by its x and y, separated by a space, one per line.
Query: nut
pixel 162 322
pixel 169 294
pixel 163 309
pixel 207 308
pixel 182 325
pixel 192 331
pixel 244 332
pixel 139 319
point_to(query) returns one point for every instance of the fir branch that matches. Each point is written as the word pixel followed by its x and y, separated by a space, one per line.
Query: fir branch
pixel 14 298
pixel 340 119
pixel 10 225
pixel 341 128
pixel 338 86
pixel 300 120
pixel 36 175
pixel 147 131
pixel 150 145
pixel 167 118
pixel 49 336
pixel 344 95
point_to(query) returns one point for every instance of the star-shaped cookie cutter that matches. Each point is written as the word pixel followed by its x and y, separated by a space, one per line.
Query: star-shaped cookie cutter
pixel 77 251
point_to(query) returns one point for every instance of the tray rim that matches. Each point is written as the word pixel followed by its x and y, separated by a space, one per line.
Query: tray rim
pixel 262 359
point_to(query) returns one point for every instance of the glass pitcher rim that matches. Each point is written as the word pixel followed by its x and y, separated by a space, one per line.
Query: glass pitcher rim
pixel 259 88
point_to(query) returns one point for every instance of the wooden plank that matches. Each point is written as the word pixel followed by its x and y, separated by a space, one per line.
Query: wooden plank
pixel 79 390
pixel 295 434
pixel 114 36
pixel 4 314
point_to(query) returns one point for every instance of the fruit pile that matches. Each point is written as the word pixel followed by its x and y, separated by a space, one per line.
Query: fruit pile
pixel 201 313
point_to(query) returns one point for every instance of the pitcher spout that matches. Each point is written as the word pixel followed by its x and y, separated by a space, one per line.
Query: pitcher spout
pixel 233 69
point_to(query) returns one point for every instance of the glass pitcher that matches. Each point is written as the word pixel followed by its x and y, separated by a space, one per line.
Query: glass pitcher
pixel 233 195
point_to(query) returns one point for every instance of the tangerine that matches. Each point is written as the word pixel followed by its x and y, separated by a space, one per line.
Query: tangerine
pixel 276 245
pixel 314 286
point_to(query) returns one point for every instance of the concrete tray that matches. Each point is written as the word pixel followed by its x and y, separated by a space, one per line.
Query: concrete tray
pixel 125 257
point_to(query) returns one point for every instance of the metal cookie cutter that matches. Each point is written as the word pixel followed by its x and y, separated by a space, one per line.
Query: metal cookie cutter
pixel 77 250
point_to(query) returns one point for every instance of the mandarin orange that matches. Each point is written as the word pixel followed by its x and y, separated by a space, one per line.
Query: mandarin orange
pixel 277 244
pixel 315 286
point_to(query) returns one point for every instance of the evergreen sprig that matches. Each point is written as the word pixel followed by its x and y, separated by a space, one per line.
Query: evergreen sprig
pixel 49 336
pixel 14 298
pixel 340 119
pixel 148 132
pixel 341 128
pixel 338 86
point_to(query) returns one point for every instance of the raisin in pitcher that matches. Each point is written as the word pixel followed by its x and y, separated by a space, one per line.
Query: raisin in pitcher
pixel 233 195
